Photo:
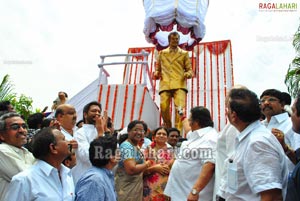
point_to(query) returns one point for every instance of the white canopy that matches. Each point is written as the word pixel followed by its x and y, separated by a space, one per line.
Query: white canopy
pixel 185 16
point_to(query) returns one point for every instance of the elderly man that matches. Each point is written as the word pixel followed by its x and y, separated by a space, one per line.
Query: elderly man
pixel 66 115
pixel 48 179
pixel 197 157
pixel 257 170
pixel 173 67
pixel 14 158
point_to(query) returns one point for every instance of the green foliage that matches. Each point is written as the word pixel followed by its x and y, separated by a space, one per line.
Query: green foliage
pixel 292 78
pixel 22 104
pixel 6 88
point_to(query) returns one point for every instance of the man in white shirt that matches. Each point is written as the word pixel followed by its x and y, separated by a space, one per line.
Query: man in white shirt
pixel 14 158
pixel 277 119
pixel 192 174
pixel 272 106
pixel 91 129
pixel 48 179
pixel 66 115
pixel 257 170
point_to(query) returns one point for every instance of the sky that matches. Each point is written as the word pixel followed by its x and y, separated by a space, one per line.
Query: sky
pixel 51 46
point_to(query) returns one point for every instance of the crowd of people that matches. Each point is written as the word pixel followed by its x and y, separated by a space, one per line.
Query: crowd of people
pixel 255 156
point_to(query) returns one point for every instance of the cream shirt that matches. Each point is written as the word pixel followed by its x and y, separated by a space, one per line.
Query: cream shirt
pixel 12 161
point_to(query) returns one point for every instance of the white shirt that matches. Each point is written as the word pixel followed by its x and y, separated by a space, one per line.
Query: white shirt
pixel 67 135
pixel 84 136
pixel 199 149
pixel 225 149
pixel 258 165
pixel 284 123
pixel 280 121
pixel 41 182
pixel 12 161
pixel 292 139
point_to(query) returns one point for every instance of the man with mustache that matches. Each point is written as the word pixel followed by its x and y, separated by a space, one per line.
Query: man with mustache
pixel 277 119
pixel 272 106
pixel 92 128
pixel 47 179
pixel 14 157
pixel 66 115
pixel 257 168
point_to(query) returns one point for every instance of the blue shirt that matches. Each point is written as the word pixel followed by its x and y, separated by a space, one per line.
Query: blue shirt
pixel 293 189
pixel 96 184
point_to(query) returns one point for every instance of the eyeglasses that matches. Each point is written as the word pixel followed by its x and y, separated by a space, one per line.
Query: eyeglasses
pixel 270 100
pixel 139 131
pixel 17 126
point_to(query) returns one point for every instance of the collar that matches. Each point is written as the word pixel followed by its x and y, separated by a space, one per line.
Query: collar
pixel 46 168
pixel 199 133
pixel 88 126
pixel 106 171
pixel 173 50
pixel 280 117
pixel 248 130
pixel 15 149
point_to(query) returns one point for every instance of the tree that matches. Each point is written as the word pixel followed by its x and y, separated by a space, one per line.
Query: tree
pixel 292 78
pixel 6 89
pixel 22 104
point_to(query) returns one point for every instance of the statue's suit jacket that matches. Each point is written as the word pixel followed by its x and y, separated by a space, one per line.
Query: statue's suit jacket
pixel 171 67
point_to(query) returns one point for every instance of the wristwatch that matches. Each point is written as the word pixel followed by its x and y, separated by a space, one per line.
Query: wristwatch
pixel 194 191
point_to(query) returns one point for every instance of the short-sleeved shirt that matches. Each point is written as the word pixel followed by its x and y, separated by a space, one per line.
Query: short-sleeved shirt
pixel 258 165
pixel 293 189
pixel 128 151
pixel 96 184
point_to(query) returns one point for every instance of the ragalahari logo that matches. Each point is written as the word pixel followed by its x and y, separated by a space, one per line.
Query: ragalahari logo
pixel 278 7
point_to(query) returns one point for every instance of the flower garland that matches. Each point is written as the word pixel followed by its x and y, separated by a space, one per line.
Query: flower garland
pixel 218 87
pixel 133 103
pixel 124 108
pixel 107 97
pixel 115 102
pixel 142 103
pixel 100 93
pixel 204 81
pixel 211 86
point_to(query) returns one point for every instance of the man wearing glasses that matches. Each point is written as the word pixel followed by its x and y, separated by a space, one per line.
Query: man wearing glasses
pixel 14 157
pixel 272 106
pixel 277 119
